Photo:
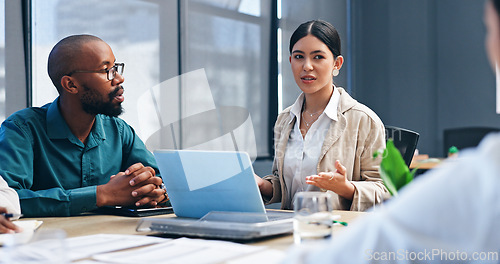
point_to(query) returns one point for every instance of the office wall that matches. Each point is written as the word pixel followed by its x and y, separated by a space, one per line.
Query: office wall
pixel 422 65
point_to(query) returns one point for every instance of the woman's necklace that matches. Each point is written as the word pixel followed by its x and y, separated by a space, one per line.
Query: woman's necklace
pixel 312 114
pixel 308 124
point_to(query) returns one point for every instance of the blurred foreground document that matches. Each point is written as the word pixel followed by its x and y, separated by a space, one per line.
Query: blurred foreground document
pixel 182 250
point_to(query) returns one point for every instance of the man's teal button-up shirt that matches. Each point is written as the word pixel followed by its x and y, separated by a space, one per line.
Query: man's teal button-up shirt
pixel 54 173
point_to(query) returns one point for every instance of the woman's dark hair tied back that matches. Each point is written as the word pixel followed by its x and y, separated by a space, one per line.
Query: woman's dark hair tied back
pixel 496 4
pixel 322 30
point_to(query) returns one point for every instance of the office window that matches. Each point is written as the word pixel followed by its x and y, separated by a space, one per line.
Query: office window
pixel 227 41
pixel 2 60
pixel 230 40
pixel 130 27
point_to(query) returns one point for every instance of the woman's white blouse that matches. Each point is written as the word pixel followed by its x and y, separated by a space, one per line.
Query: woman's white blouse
pixel 302 154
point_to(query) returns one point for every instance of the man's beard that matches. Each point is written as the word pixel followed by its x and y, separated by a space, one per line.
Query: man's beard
pixel 94 104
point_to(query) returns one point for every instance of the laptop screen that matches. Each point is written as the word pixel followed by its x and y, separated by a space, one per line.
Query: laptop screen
pixel 199 182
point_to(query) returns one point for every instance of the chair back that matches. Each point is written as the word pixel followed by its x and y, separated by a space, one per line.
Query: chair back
pixel 405 141
pixel 465 137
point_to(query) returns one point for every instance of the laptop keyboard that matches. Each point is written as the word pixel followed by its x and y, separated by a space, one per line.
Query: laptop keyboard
pixel 273 215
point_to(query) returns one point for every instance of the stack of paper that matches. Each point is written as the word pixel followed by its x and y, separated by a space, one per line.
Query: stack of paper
pixel 112 248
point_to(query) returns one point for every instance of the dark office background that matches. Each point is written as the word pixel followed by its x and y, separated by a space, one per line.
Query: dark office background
pixel 422 65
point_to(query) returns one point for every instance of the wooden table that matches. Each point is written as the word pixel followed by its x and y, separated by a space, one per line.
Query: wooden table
pixel 107 224
pixel 92 224
pixel 423 162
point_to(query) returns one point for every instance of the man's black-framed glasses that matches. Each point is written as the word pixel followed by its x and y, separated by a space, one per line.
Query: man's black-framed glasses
pixel 110 73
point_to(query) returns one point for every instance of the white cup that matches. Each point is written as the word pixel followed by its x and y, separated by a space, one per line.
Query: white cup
pixel 313 218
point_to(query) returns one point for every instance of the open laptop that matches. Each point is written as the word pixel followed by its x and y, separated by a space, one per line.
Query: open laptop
pixel 214 194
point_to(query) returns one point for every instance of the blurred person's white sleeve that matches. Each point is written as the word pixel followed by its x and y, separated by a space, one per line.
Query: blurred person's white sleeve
pixel 449 215
pixel 9 198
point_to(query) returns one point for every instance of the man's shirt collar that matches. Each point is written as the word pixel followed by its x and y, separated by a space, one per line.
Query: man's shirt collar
pixel 57 128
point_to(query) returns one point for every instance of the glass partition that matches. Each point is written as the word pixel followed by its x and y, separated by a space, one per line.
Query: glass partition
pixel 2 60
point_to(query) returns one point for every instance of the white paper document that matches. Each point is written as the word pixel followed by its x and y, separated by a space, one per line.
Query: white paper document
pixel 181 250
pixel 58 249
pixel 86 246
pixel 267 256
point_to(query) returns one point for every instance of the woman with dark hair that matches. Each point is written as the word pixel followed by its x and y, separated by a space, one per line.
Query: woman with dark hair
pixel 326 139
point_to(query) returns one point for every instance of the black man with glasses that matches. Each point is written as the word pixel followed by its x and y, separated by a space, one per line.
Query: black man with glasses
pixel 74 155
